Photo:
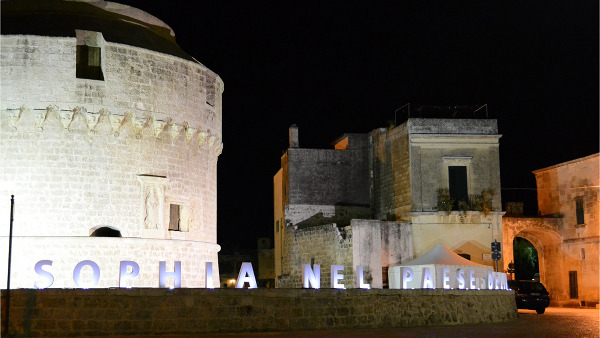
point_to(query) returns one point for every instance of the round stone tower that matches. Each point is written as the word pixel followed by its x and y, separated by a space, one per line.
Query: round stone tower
pixel 109 139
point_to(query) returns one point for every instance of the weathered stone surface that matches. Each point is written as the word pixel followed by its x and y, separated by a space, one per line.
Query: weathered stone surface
pixel 72 150
pixel 257 310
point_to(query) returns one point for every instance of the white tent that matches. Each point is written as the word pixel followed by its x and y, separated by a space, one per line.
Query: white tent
pixel 440 268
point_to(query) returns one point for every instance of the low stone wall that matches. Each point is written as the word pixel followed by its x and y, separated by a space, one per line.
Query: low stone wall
pixel 76 312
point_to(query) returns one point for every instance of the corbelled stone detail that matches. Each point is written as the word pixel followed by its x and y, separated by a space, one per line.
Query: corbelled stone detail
pixel 103 122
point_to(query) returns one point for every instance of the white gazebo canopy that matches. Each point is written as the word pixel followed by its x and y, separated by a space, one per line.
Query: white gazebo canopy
pixel 441 255
pixel 440 268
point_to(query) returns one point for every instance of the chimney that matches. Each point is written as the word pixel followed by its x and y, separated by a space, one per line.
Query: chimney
pixel 294 137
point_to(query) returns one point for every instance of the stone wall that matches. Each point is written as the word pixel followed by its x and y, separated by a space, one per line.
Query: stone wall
pixel 65 252
pixel 367 243
pixel 39 71
pixel 68 179
pixel 378 245
pixel 80 154
pixel 328 177
pixel 470 233
pixel 565 248
pixel 391 174
pixel 325 245
pixel 193 311
pixel 453 126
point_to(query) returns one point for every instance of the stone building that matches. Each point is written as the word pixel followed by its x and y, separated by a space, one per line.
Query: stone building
pixel 566 235
pixel 382 198
pixel 107 127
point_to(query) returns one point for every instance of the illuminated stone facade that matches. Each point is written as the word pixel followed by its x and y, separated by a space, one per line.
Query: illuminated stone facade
pixel 566 236
pixel 130 144
pixel 389 182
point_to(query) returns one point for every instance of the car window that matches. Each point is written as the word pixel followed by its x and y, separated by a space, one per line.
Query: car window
pixel 532 287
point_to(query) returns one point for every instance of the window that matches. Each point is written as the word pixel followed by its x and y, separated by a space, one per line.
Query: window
pixel 175 217
pixel 457 183
pixel 582 252
pixel 89 64
pixel 89 55
pixel 277 225
pixel 465 256
pixel 579 210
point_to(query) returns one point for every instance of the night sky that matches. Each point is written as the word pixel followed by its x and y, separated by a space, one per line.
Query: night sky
pixel 345 66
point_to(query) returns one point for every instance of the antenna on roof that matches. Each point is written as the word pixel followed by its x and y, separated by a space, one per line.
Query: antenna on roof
pixel 396 111
pixel 486 110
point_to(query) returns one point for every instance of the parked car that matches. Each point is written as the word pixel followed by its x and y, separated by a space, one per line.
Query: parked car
pixel 530 294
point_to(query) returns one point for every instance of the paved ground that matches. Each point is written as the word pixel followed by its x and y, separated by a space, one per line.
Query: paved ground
pixel 556 322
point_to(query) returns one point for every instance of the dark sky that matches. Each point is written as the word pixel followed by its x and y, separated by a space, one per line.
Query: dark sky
pixel 345 66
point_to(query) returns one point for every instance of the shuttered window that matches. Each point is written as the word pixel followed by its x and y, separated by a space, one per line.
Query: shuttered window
pixel 175 217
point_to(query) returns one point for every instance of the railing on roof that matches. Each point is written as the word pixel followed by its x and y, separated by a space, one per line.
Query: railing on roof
pixel 441 112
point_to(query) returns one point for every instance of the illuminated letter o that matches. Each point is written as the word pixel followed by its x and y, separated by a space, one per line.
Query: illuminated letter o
pixel 77 274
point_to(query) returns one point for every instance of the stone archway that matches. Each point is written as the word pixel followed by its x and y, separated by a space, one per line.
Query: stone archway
pixel 543 233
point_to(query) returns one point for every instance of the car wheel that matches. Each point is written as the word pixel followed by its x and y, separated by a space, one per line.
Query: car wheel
pixel 540 311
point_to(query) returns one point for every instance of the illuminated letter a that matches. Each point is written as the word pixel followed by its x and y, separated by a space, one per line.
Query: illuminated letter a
pixel 246 275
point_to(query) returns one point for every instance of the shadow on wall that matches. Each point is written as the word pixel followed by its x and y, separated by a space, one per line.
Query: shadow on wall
pixel 344 213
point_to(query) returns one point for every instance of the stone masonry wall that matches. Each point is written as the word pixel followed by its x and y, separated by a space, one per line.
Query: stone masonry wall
pixel 391 174
pixel 368 243
pixel 67 181
pixel 328 177
pixel 63 313
pixel 39 71
pixel 107 253
pixel 325 245
pixel 79 154
pixel 72 148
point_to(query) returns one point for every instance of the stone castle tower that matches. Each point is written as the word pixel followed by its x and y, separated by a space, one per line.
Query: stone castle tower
pixel 107 127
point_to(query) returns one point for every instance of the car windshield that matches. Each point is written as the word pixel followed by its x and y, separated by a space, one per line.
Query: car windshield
pixel 532 287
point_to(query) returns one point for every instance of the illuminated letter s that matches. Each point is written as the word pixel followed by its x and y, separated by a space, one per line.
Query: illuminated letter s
pixel 47 276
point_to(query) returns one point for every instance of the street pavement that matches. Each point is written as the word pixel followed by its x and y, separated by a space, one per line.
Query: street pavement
pixel 556 322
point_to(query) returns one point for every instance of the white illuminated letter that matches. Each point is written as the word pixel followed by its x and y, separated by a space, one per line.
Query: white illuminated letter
pixel 310 277
pixel 490 280
pixel 163 274
pixel 208 280
pixel 361 279
pixel 497 280
pixel 47 276
pixel 336 276
pixel 472 284
pixel 124 275
pixel 460 278
pixel 77 274
pixel 407 276
pixel 446 278
pixel 426 280
pixel 246 275
pixel 504 281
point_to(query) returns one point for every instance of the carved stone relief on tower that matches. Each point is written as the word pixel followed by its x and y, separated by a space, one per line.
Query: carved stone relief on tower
pixel 152 201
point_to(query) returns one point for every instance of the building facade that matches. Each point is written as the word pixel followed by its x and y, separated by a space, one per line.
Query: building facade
pixel 566 235
pixel 106 127
pixel 382 198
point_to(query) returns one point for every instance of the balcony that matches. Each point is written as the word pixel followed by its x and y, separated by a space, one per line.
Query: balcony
pixel 474 202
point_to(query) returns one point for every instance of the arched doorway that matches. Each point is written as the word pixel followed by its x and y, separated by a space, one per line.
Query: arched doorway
pixel 525 259
pixel 543 235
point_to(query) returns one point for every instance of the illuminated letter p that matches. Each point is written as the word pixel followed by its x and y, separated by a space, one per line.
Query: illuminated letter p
pixel 124 275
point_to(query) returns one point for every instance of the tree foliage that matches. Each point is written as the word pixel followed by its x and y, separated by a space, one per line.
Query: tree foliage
pixel 525 258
